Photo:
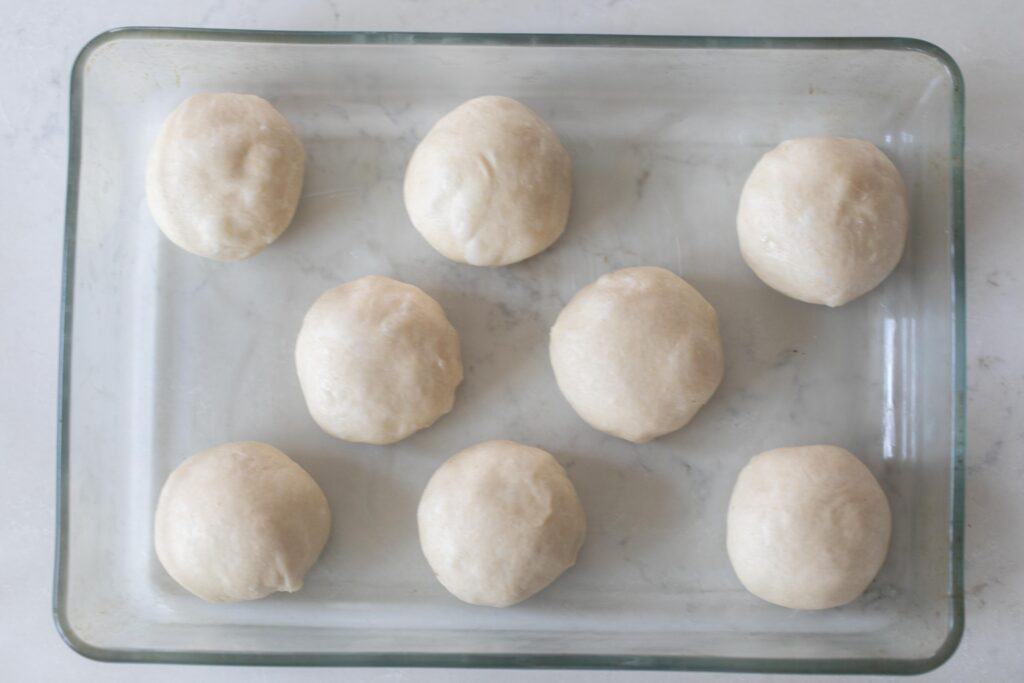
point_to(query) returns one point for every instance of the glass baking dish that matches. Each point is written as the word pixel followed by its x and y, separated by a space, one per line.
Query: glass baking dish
pixel 164 353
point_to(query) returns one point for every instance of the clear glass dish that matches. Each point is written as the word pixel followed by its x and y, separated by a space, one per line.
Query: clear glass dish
pixel 165 353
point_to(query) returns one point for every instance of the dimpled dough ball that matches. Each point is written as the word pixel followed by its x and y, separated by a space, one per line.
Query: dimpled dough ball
pixel 823 220
pixel 240 521
pixel 490 184
pixel 224 175
pixel 377 360
pixel 808 527
pixel 499 522
pixel 637 353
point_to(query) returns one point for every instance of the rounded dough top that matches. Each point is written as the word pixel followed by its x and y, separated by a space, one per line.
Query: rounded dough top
pixel 637 353
pixel 808 527
pixel 224 175
pixel 377 360
pixel 240 521
pixel 823 220
pixel 500 521
pixel 490 184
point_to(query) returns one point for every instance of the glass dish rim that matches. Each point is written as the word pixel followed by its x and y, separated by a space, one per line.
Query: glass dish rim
pixel 878 665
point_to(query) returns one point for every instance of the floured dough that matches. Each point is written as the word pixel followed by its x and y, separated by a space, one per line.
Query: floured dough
pixel 500 521
pixel 490 184
pixel 823 220
pixel 808 527
pixel 224 175
pixel 377 360
pixel 240 521
pixel 637 353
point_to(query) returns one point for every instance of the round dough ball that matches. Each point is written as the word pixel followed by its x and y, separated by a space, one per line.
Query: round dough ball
pixel 377 360
pixel 808 527
pixel 499 522
pixel 490 184
pixel 823 220
pixel 224 175
pixel 637 353
pixel 240 521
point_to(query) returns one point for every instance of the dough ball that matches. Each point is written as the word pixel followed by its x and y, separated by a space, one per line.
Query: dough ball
pixel 377 360
pixel 808 527
pixel 490 184
pixel 240 521
pixel 499 522
pixel 823 220
pixel 637 353
pixel 224 175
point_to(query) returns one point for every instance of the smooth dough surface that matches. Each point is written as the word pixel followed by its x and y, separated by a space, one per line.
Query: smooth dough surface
pixel 637 353
pixel 224 175
pixel 240 521
pixel 500 521
pixel 377 360
pixel 490 184
pixel 808 527
pixel 823 220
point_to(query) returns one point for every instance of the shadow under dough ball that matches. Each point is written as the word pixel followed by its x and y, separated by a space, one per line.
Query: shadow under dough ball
pixel 808 527
pixel 224 175
pixel 499 522
pixel 240 521
pixel 490 184
pixel 823 220
pixel 637 353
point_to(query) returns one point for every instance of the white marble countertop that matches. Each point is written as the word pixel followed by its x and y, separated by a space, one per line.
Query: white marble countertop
pixel 38 42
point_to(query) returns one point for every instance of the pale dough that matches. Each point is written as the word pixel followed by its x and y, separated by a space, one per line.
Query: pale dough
pixel 490 184
pixel 500 521
pixel 240 521
pixel 823 220
pixel 224 175
pixel 637 353
pixel 377 360
pixel 808 527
